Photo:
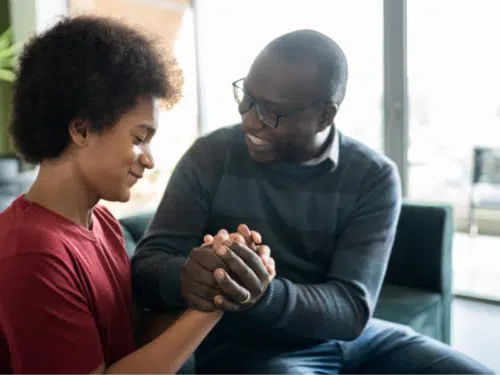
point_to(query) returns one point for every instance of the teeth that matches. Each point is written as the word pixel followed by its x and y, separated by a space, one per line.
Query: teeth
pixel 256 140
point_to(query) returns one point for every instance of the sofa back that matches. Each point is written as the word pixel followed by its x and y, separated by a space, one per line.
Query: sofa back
pixel 421 255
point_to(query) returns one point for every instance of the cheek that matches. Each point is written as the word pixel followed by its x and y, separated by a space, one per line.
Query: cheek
pixel 136 152
pixel 293 134
pixel 111 156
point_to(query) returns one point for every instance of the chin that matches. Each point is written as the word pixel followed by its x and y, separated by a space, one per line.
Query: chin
pixel 123 199
pixel 261 157
pixel 118 196
pixel 124 196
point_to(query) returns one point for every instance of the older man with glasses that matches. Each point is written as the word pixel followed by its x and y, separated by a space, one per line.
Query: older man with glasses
pixel 326 205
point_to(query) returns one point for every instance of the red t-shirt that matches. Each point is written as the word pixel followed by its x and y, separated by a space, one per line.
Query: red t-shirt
pixel 65 292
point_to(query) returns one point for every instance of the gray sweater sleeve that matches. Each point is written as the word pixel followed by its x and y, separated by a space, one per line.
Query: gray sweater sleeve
pixel 340 308
pixel 177 227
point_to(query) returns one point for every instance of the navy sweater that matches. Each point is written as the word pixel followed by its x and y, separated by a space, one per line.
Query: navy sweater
pixel 330 229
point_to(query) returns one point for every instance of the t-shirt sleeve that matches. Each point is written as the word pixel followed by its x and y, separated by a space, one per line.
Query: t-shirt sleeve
pixel 45 317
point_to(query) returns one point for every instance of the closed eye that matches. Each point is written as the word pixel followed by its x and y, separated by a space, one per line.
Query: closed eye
pixel 138 140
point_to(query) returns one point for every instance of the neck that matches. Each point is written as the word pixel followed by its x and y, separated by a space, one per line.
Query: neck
pixel 59 188
pixel 323 140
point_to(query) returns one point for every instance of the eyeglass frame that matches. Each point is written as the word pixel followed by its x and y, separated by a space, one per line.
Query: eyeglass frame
pixel 279 114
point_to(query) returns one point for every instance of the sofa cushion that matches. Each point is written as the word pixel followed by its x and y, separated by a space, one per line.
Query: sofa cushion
pixel 137 224
pixel 130 242
pixel 416 308
pixel 133 228
pixel 6 200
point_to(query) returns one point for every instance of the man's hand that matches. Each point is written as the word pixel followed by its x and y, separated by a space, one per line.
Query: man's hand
pixel 198 284
pixel 244 236
pixel 247 270
pixel 250 265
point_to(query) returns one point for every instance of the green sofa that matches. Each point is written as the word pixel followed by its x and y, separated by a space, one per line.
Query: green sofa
pixel 417 287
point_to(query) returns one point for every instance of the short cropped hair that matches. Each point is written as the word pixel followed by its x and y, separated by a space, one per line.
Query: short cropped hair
pixel 87 67
pixel 303 46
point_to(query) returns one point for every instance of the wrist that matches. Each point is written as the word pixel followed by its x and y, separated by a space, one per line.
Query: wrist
pixel 212 315
pixel 271 307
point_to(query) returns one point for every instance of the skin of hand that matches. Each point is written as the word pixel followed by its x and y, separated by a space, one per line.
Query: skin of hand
pixel 222 276
pixel 238 249
pixel 198 285
pixel 243 236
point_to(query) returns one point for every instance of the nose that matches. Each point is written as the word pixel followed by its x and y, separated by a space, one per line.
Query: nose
pixel 146 159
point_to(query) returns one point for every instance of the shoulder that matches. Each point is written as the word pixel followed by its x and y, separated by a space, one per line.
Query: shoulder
pixel 32 271
pixel 216 144
pixel 21 237
pixel 37 267
pixel 210 154
pixel 24 228
pixel 112 234
pixel 108 221
pixel 368 167
pixel 352 151
pixel 368 173
pixel 232 133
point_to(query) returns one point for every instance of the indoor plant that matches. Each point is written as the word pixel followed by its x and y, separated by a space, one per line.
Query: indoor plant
pixel 9 164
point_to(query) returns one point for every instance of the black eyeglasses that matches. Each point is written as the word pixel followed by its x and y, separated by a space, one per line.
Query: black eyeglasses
pixel 266 114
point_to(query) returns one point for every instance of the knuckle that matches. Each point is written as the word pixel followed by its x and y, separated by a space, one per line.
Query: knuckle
pixel 195 251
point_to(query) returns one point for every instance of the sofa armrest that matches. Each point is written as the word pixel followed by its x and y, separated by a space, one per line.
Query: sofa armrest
pixel 421 255
pixel 137 224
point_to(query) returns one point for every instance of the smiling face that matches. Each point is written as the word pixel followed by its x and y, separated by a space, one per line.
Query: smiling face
pixel 112 161
pixel 285 87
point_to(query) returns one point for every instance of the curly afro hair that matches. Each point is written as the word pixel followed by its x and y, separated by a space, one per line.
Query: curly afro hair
pixel 87 67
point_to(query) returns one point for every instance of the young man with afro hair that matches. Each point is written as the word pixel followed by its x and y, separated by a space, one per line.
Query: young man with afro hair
pixel 85 108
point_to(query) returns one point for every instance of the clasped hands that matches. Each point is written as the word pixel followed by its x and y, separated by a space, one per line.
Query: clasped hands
pixel 229 272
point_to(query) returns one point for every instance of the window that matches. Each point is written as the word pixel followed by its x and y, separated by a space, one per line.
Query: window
pixel 453 96
pixel 232 33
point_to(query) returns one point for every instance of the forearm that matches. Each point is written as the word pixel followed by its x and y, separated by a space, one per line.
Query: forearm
pixel 330 311
pixel 156 275
pixel 168 352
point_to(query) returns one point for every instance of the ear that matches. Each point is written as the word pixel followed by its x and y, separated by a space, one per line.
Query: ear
pixel 327 116
pixel 78 131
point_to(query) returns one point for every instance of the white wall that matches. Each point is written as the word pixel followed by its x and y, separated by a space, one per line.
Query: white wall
pixel 34 16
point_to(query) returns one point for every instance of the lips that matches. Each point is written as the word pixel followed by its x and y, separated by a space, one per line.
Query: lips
pixel 138 176
pixel 256 140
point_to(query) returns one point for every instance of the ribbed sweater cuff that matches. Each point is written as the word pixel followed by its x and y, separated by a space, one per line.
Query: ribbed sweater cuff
pixel 271 307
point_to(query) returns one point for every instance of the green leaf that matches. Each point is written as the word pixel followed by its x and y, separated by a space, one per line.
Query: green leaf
pixel 7 75
pixel 6 38
pixel 6 55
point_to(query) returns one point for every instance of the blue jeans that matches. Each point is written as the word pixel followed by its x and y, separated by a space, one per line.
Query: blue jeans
pixel 383 348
